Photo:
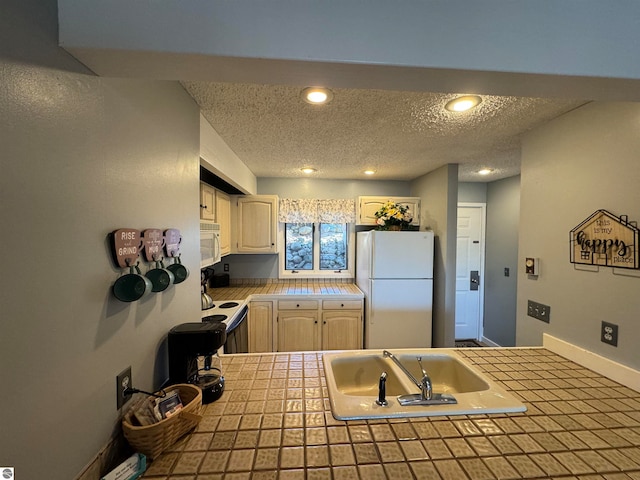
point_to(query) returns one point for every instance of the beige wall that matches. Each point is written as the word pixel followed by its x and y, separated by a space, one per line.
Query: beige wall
pixel 581 162
pixel 81 157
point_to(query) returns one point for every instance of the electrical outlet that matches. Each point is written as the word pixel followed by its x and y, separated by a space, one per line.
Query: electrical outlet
pixel 123 381
pixel 544 313
pixel 609 333
pixel 506 271
pixel 226 267
pixel 539 311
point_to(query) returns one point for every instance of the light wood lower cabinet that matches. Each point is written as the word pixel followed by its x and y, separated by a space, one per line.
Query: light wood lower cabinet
pixel 298 331
pixel 342 324
pixel 309 325
pixel 341 330
pixel 260 327
pixel 304 325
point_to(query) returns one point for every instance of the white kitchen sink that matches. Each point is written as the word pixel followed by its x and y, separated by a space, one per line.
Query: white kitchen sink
pixel 353 379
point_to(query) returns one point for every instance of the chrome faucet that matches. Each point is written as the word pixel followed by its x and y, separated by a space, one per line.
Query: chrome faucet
pixel 425 388
pixel 424 385
pixel 426 395
pixel 388 354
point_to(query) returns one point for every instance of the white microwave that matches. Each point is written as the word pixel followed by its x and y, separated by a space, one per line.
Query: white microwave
pixel 209 243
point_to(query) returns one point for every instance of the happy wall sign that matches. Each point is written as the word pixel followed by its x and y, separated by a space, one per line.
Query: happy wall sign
pixel 607 240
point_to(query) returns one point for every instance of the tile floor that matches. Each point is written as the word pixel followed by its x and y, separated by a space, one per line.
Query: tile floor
pixel 274 422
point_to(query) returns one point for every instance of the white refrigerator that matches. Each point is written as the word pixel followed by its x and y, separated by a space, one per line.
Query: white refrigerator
pixel 395 272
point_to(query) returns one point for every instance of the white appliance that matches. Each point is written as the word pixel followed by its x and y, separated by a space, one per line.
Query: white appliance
pixel 209 243
pixel 233 313
pixel 395 272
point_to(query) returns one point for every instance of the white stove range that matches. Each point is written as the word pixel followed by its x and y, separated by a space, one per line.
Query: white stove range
pixel 224 311
pixel 233 313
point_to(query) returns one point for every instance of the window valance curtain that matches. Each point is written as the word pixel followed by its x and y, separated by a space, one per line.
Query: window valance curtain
pixel 337 211
pixel 303 210
pixel 298 210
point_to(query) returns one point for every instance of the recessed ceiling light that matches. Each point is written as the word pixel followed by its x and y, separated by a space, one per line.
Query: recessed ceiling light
pixel 317 95
pixel 308 170
pixel 369 172
pixel 462 104
pixel 485 171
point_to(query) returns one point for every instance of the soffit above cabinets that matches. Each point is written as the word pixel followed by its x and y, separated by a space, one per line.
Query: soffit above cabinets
pixel 255 57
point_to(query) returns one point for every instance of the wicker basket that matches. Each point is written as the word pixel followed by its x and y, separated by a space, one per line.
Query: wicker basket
pixel 154 439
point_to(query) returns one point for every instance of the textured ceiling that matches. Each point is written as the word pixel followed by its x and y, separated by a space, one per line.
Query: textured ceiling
pixel 400 135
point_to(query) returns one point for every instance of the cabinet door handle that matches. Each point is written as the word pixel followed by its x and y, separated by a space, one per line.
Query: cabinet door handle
pixel 342 304
pixel 297 305
pixel 315 321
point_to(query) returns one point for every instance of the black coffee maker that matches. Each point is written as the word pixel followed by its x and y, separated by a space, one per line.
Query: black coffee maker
pixel 193 357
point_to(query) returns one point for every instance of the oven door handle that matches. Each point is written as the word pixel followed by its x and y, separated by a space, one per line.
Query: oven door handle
pixel 235 323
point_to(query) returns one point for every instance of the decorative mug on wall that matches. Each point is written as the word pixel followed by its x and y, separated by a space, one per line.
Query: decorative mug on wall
pixel 126 245
pixel 172 239
pixel 132 286
pixel 161 278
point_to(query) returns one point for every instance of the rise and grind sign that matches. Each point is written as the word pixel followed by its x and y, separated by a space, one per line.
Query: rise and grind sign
pixel 604 239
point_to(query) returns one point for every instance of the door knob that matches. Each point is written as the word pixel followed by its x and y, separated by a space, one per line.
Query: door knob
pixel 475 280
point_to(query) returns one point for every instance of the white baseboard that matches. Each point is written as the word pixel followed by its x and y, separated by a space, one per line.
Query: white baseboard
pixel 489 343
pixel 610 369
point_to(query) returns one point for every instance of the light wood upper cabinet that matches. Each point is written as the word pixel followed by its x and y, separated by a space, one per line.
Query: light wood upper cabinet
pixel 260 327
pixel 256 224
pixel 207 202
pixel 366 208
pixel 223 217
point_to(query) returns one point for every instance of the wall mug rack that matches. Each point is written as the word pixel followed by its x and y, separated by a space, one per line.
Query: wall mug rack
pixel 126 246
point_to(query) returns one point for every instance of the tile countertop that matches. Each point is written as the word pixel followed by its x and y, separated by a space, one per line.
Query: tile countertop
pixel 274 422
pixel 276 289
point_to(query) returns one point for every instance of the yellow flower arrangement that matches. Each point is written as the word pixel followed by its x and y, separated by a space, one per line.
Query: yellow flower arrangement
pixel 393 215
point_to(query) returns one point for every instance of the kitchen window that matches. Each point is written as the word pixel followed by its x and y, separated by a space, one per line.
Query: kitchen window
pixel 318 238
pixel 316 250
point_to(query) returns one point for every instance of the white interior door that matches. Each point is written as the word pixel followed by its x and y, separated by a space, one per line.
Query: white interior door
pixel 470 271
